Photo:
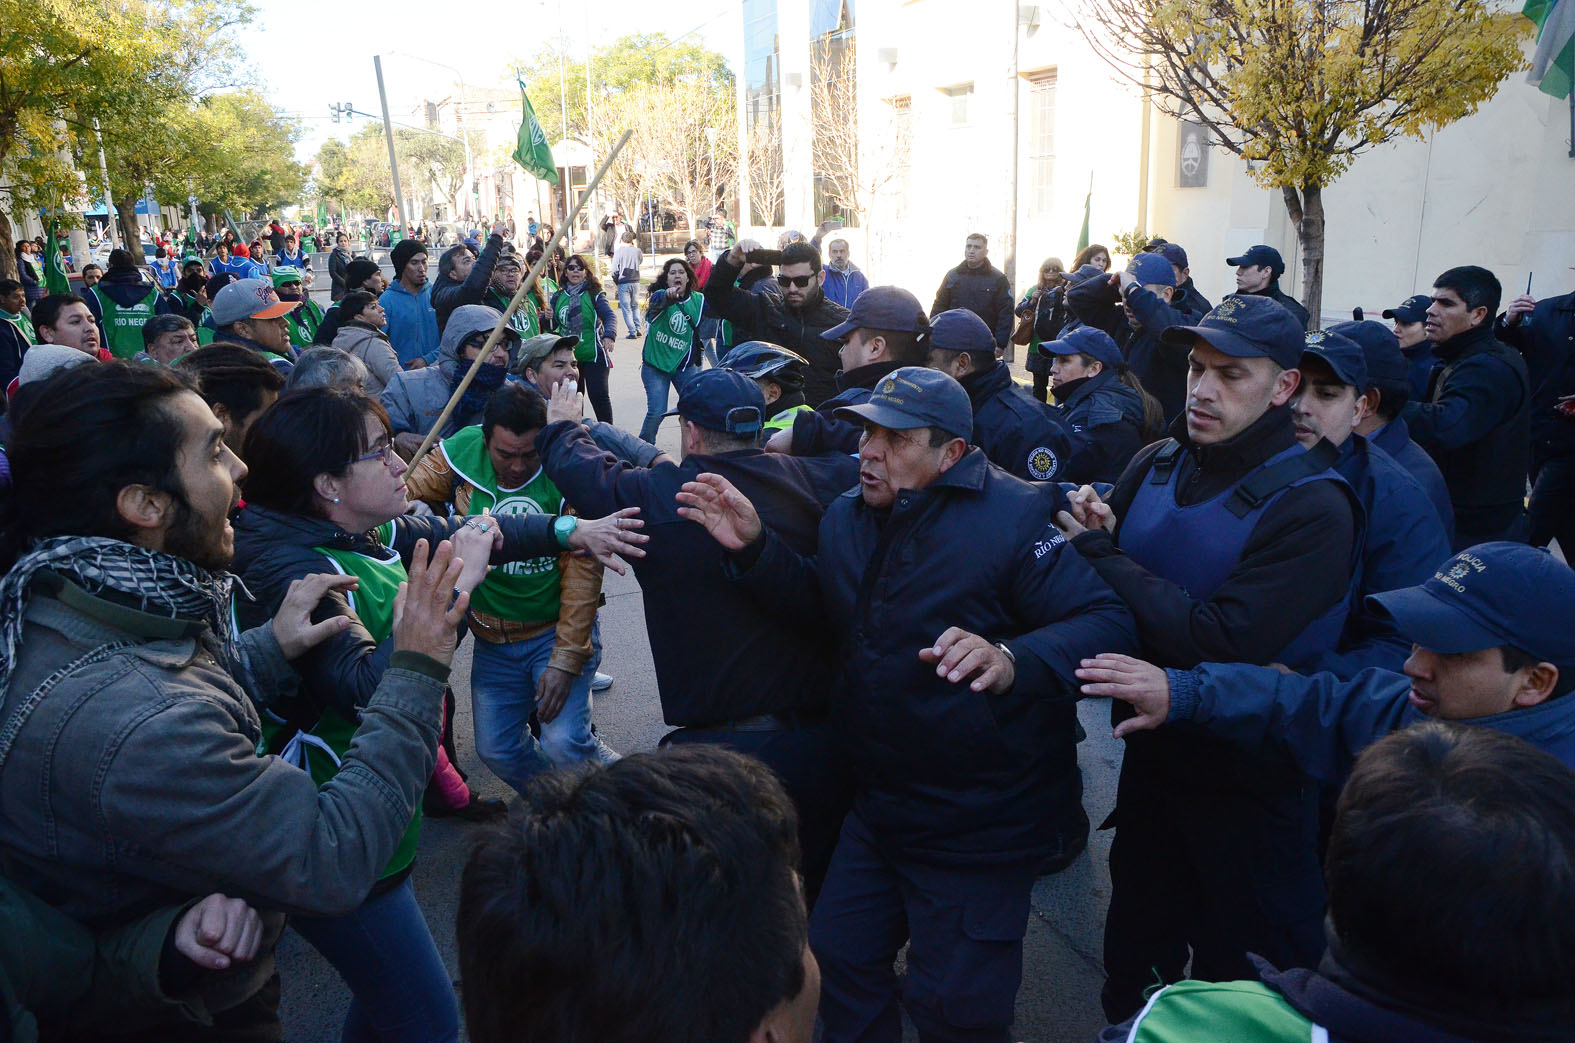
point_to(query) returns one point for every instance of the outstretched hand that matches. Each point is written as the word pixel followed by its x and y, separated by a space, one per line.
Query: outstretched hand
pixel 606 538
pixel 1142 685
pixel 427 609
pixel 714 503
pixel 292 624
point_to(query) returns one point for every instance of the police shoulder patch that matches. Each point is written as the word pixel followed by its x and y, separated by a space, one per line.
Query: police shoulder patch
pixel 1042 463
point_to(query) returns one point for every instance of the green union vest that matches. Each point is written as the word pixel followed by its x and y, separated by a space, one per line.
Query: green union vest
pixel 304 322
pixel 1233 1010
pixel 321 749
pixel 526 320
pixel 585 350
pixel 123 326
pixel 520 591
pixel 670 336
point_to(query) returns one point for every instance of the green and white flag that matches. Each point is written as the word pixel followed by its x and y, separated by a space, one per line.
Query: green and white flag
pixel 1088 203
pixel 55 278
pixel 1553 63
pixel 533 153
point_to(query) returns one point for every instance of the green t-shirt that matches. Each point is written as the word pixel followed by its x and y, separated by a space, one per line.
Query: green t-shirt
pixel 520 591
pixel 585 350
pixel 670 335
pixel 323 746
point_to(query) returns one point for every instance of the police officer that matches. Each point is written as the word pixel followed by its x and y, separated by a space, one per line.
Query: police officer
pixel 1258 274
pixel 953 705
pixel 886 329
pixel 1403 540
pixel 1187 298
pixel 1476 418
pixel 729 669
pixel 1410 325
pixel 1016 431
pixel 780 374
pixel 1135 306
pixel 1544 333
pixel 1230 543
pixel 1110 418
pixel 1388 390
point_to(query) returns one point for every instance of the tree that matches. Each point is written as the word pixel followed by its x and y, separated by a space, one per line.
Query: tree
pixel 1299 88
pixel 766 175
pixel 853 165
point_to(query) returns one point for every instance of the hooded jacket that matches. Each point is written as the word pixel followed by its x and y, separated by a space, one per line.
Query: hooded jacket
pixel 412 323
pixel 448 294
pixel 843 285
pixel 415 398
pixel 124 287
pixel 370 344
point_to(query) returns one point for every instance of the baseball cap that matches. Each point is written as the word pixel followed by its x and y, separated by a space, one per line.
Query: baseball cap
pixel 1246 327
pixel 1152 270
pixel 1412 309
pixel 534 349
pixel 914 396
pixel 1085 340
pixel 1083 274
pixel 1173 253
pixel 508 259
pixel 961 330
pixel 1489 595
pixel 249 299
pixel 882 308
pixel 1339 353
pixel 1380 349
pixel 1258 256
pixel 286 273
pixel 722 400
pixel 189 260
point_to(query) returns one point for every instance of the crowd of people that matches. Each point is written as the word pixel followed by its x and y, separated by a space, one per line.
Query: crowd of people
pixel 243 536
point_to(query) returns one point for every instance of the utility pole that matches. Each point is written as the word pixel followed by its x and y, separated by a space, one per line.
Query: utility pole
pixel 1009 244
pixel 388 130
pixel 103 173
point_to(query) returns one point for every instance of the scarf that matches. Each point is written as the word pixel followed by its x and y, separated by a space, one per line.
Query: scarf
pixel 488 379
pixel 161 583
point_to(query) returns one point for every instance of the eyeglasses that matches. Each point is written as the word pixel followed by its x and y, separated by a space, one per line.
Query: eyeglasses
pixel 800 281
pixel 385 454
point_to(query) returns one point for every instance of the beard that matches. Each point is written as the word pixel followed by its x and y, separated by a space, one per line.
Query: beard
pixel 199 540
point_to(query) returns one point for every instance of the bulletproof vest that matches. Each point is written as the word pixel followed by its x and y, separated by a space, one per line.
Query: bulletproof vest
pixel 1490 471
pixel 1198 546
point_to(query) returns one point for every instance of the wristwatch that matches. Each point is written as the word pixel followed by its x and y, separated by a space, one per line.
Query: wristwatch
pixel 563 528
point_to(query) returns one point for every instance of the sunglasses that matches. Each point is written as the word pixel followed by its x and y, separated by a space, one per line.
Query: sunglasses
pixel 574 268
pixel 800 281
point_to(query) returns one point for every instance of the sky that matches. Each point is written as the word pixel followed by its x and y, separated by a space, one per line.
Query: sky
pixel 311 56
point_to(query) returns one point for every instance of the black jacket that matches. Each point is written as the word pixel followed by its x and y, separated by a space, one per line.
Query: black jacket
pixel 736 658
pixel 1546 340
pixel 1189 300
pixel 338 261
pixel 1476 423
pixel 1049 316
pixel 1162 368
pixel 1274 292
pixel 944 774
pixel 819 431
pixel 764 316
pixel 1020 434
pixel 1106 421
pixel 448 294
pixel 983 291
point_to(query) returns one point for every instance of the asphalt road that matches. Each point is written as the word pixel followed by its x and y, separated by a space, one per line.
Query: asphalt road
pixel 1059 998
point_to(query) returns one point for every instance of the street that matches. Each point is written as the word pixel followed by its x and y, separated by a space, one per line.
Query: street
pixel 1059 998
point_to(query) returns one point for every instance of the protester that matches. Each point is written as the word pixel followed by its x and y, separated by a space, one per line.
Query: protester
pixel 361 334
pixel 291 255
pixel 672 339
pixel 333 368
pixel 165 338
pixel 580 310
pixel 338 261
pixel 1043 309
pixel 626 261
pixel 412 321
pixel 977 286
pixel 91 274
pixel 415 399
pixel 16 330
pixel 248 312
pixel 463 277
pixel 164 269
pixel 66 319
pixel 1258 274
pixel 237 383
pixel 121 302
pixel 305 320
pixel 360 274
pixel 844 279
pixel 1108 414
pixel 1093 254
pixel 529 318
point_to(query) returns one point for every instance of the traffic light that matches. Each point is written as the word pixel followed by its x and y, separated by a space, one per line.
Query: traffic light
pixel 341 109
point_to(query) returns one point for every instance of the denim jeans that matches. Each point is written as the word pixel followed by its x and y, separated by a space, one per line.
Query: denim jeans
pixel 710 336
pixel 629 304
pixel 503 682
pixel 400 990
pixel 657 384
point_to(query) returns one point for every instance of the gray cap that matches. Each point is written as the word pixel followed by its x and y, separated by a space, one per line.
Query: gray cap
pixel 45 360
pixel 534 349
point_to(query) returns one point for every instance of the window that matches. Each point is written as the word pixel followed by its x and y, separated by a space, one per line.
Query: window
pixel 1041 143
pixel 959 98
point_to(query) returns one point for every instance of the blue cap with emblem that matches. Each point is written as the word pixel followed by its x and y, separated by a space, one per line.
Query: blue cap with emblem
pixel 1085 340
pixel 1490 595
pixel 1152 270
pixel 1246 327
pixel 961 330
pixel 1412 309
pixel 722 400
pixel 1257 257
pixel 1341 354
pixel 882 308
pixel 1173 253
pixel 914 396
pixel 1379 348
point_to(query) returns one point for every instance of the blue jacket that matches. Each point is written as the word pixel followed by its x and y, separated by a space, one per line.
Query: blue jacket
pixel 844 287
pixel 1546 339
pixel 1419 363
pixel 1323 723
pixel 1019 433
pixel 946 774
pixel 817 431
pixel 1162 368
pixel 1394 438
pixel 1403 544
pixel 1106 421
pixel 412 323
pixel 747 657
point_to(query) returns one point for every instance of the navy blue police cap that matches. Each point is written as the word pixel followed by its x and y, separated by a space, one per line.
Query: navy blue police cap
pixel 722 400
pixel 1085 273
pixel 1257 257
pixel 1246 327
pixel 1489 595
pixel 914 396
pixel 882 308
pixel 1339 353
pixel 1085 340
pixel 1173 253
pixel 1152 270
pixel 1379 347
pixel 1412 309
pixel 961 330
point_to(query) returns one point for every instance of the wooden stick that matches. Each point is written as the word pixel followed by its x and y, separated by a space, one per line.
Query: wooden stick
pixel 519 298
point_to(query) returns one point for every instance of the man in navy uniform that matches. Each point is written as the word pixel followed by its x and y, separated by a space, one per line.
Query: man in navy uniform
pixel 1544 334
pixel 1410 330
pixel 1258 274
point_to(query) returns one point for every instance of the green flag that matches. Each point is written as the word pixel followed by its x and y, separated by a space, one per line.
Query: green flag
pixel 55 278
pixel 322 215
pixel 1088 201
pixel 532 152
pixel 1553 62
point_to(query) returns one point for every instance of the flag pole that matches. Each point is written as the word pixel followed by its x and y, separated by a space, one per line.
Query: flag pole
pixel 519 297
